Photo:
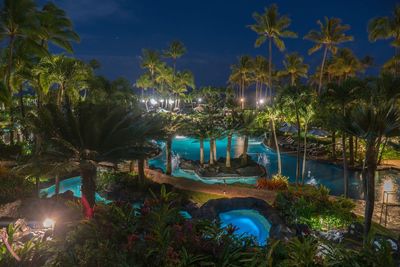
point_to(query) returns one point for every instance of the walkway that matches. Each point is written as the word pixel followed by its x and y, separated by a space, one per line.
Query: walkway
pixel 230 191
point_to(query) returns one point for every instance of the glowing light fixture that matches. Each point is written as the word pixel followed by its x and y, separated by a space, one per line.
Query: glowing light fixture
pixel 49 223
pixel 242 100
pixel 261 101
pixel 153 101
pixel 170 101
pixel 200 100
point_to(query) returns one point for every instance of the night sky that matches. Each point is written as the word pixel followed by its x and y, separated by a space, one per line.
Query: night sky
pixel 214 31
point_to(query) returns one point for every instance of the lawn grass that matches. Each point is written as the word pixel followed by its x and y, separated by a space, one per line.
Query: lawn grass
pixel 198 197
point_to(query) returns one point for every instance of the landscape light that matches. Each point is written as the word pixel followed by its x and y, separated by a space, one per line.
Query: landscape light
pixel 242 100
pixel 153 101
pixel 199 100
pixel 49 223
pixel 143 101
pixel 261 101
pixel 170 101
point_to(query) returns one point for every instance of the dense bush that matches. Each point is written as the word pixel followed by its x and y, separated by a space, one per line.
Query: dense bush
pixel 315 208
pixel 278 182
pixel 13 186
pixel 156 235
pixel 106 179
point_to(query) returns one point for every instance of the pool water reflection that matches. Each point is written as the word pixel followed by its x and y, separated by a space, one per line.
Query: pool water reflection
pixel 318 172
pixel 248 223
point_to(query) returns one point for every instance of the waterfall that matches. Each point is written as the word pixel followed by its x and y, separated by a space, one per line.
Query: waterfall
pixel 176 160
pixel 263 160
pixel 312 181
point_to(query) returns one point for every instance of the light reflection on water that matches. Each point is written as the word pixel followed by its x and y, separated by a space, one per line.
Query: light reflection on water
pixel 326 174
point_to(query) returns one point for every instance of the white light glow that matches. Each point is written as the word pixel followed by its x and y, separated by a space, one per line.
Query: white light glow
pixel 48 223
pixel 170 101
pixel 153 101
pixel 261 101
pixel 200 100
pixel 242 100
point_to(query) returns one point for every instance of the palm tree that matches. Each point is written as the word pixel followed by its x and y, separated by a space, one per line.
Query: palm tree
pixel 89 134
pixel 372 123
pixel 330 35
pixel 387 28
pixel 247 123
pixel 56 27
pixel 70 75
pixel 346 64
pixel 295 68
pixel 271 27
pixel 172 123
pixel 307 114
pixel 150 60
pixel 16 25
pixel 343 95
pixel 241 75
pixel 270 116
pixel 260 70
pixel 175 50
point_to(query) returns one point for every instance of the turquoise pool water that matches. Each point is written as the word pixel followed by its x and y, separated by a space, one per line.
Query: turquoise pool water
pixel 249 223
pixel 71 184
pixel 326 174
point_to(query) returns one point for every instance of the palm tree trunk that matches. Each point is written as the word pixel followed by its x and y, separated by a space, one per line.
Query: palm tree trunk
pixel 382 150
pixel 345 175
pixel 369 177
pixel 334 145
pixel 298 145
pixel 270 68
pixel 88 174
pixel 201 151
pixel 228 151
pixel 322 70
pixel 131 166
pixel 168 152
pixel 215 150
pixel 356 149
pixel 211 162
pixel 303 173
pixel 245 148
pixel 141 174
pixel 351 150
pixel 57 185
pixel 277 147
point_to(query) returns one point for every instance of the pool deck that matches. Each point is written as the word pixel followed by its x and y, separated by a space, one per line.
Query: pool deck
pixel 230 191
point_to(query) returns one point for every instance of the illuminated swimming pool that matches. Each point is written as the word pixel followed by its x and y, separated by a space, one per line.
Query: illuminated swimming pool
pixel 249 223
pixel 71 184
pixel 325 174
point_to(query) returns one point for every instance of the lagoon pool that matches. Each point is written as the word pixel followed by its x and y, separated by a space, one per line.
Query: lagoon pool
pixel 249 223
pixel 325 174
pixel 72 184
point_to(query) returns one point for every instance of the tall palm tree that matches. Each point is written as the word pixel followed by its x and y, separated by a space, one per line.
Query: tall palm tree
pixel 372 123
pixel 307 115
pixel 346 64
pixel 387 28
pixel 270 116
pixel 69 74
pixel 271 27
pixel 17 24
pixel 260 76
pixel 175 50
pixel 241 75
pixel 150 60
pixel 330 35
pixel 89 133
pixel 343 96
pixel 294 68
pixel 56 28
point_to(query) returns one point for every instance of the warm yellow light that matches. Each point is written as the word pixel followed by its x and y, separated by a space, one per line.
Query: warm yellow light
pixel 48 223
pixel 242 100
pixel 262 101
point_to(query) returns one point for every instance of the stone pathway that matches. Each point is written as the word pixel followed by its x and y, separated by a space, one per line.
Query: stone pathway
pixel 230 191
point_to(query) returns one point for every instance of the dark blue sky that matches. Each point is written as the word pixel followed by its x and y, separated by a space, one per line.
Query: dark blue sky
pixel 214 31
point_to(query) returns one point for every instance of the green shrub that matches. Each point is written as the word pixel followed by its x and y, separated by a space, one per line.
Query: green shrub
pixel 13 186
pixel 315 208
